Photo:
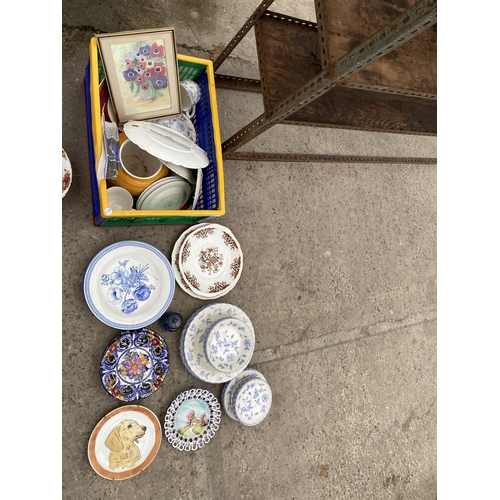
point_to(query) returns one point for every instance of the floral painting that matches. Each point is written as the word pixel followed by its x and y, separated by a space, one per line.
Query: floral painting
pixel 142 75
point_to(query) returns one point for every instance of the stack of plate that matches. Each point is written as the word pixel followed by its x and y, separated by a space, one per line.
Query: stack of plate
pixel 208 261
pixel 217 343
pixel 169 193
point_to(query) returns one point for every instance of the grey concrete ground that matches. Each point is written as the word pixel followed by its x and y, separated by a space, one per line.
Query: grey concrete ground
pixel 339 282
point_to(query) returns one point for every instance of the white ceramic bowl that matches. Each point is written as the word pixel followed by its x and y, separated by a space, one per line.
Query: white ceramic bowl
pixel 137 162
pixel 119 198
pixel 251 401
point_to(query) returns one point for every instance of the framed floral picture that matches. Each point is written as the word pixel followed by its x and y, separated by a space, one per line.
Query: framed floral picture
pixel 142 73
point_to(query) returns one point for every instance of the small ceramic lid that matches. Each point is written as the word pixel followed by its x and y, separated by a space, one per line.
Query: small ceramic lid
pixel 251 401
pixel 228 345
pixel 192 419
pixel 134 364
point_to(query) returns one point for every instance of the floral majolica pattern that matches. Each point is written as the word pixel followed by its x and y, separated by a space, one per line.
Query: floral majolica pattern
pixel 127 288
pixel 134 364
pixel 144 68
pixel 252 401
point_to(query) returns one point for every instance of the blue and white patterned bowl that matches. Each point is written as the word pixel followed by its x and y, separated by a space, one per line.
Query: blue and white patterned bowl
pixel 228 344
pixel 251 401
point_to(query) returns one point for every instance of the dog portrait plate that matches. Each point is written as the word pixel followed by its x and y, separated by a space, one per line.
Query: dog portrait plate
pixel 192 419
pixel 124 442
pixel 129 285
pixel 134 364
pixel 193 340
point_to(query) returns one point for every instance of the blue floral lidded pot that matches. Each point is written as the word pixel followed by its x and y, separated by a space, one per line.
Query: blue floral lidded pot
pixel 251 400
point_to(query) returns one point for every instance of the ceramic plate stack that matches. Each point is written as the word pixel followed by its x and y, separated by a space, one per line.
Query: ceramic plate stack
pixel 169 193
pixel 217 343
pixel 208 261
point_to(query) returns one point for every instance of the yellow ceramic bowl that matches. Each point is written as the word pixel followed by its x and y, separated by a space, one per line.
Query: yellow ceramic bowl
pixel 133 184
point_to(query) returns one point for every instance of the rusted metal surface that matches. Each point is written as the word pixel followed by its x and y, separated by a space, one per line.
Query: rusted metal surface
pixel 344 24
pixel 417 19
pixel 261 9
pixel 237 83
pixel 314 158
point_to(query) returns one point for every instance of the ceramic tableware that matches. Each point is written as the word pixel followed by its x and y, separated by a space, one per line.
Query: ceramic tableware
pixel 186 173
pixel 181 124
pixel 193 335
pixel 166 144
pixel 119 198
pixel 227 390
pixel 124 442
pixel 134 364
pixel 170 196
pixel 137 162
pixel 197 189
pixel 228 345
pixel 193 92
pixel 67 173
pixel 128 285
pixel 175 261
pixel 192 419
pixel 251 401
pixel 211 260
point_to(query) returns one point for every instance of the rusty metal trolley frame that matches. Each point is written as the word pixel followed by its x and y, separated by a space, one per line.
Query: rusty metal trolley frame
pixel 364 65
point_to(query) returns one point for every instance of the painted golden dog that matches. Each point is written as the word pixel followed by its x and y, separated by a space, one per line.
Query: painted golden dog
pixel 122 441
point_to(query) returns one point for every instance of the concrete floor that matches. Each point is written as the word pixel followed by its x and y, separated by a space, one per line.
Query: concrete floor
pixel 339 282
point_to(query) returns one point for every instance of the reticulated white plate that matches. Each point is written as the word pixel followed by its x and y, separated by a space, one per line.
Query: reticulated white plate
pixel 193 337
pixel 124 442
pixel 170 196
pixel 129 285
pixel 211 260
pixel 227 391
pixel 192 419
pixel 175 261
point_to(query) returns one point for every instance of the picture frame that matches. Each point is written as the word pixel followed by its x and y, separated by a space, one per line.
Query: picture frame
pixel 141 73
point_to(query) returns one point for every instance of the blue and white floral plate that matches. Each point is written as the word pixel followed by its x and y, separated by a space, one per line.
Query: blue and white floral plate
pixel 192 419
pixel 227 391
pixel 193 338
pixel 129 285
pixel 134 364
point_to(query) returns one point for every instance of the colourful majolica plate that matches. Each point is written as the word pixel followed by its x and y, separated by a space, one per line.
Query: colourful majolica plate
pixel 129 285
pixel 175 262
pixel 211 260
pixel 124 442
pixel 227 391
pixel 193 338
pixel 192 419
pixel 134 364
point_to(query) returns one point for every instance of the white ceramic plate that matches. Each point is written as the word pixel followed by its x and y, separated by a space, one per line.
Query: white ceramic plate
pixel 124 442
pixel 166 144
pixel 193 335
pixel 197 189
pixel 171 196
pixel 67 173
pixel 175 262
pixel 192 419
pixel 211 260
pixel 129 285
pixel 186 173
pixel 154 187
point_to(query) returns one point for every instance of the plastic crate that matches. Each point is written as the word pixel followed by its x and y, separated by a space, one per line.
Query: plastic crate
pixel 211 202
